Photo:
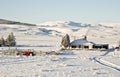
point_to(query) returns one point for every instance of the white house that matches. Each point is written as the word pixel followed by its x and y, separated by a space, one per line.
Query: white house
pixel 85 44
pixel 81 44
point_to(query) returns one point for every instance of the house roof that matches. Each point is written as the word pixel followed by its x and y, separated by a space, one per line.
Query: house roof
pixel 81 41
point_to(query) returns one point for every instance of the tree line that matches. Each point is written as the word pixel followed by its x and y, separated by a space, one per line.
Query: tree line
pixel 10 40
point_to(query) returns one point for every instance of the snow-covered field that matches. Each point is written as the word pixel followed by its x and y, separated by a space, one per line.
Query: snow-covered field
pixel 72 63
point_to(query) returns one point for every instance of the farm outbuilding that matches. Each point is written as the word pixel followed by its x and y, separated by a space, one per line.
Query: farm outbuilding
pixel 101 46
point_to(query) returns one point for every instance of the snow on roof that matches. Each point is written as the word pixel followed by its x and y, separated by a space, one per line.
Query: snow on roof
pixel 81 41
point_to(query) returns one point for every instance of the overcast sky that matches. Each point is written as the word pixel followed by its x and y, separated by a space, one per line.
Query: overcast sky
pixel 37 11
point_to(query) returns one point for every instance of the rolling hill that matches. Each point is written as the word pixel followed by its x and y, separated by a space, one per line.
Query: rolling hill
pixel 3 21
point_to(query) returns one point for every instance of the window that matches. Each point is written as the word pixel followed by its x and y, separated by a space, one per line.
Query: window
pixel 86 46
pixel 73 46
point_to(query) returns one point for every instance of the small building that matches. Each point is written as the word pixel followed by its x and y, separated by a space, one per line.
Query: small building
pixel 101 46
pixel 84 44
pixel 81 44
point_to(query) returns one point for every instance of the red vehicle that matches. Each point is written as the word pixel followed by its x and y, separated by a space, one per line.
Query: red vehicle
pixel 26 53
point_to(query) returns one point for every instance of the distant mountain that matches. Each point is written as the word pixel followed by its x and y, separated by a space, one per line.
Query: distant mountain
pixel 3 21
pixel 64 24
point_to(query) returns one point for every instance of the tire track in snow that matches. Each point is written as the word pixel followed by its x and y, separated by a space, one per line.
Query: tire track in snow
pixel 106 63
pixel 99 60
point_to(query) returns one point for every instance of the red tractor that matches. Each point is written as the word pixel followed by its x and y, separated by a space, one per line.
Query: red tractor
pixel 26 53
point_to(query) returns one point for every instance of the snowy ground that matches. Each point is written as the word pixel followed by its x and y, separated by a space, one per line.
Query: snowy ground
pixel 73 63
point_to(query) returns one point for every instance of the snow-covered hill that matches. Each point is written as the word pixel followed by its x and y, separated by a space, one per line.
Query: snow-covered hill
pixel 63 27
pixel 74 63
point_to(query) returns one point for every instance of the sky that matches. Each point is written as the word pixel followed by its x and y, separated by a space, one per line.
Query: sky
pixel 38 11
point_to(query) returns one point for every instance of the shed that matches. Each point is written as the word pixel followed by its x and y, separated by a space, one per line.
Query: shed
pixel 101 46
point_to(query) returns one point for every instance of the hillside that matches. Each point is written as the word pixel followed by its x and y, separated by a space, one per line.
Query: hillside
pixel 60 28
pixel 3 21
